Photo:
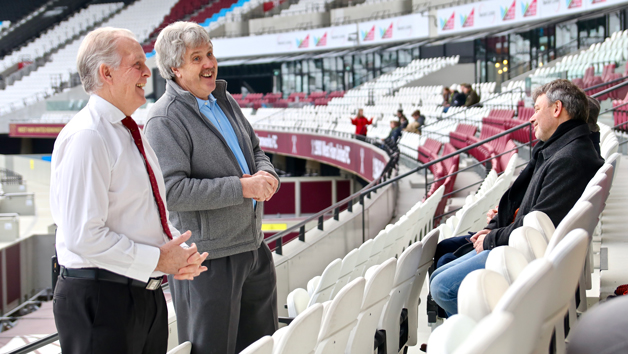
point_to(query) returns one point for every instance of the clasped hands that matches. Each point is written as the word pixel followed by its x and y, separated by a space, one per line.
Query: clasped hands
pixel 183 262
pixel 261 186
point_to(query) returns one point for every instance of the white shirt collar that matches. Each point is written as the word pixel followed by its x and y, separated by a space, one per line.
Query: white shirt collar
pixel 105 109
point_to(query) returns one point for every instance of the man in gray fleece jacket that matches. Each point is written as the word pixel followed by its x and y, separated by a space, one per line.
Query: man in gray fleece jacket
pixel 217 179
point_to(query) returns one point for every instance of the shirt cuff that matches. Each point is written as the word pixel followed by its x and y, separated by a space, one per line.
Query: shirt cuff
pixel 145 262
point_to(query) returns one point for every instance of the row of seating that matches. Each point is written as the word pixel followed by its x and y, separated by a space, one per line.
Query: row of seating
pixel 58 34
pixel 389 285
pixel 258 100
pixel 41 83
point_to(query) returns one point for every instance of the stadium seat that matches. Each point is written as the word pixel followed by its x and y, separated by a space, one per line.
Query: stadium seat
pixel 376 295
pixel 301 336
pixel 407 267
pixel 340 317
pixel 529 241
pixel 183 348
pixel 263 345
pixel 348 264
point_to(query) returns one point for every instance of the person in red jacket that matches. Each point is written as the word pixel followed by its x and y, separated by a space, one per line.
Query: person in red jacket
pixel 360 123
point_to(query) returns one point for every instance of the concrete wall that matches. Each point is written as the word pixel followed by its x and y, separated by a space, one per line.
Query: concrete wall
pixel 368 11
pixel 32 168
pixel 285 23
pixel 456 74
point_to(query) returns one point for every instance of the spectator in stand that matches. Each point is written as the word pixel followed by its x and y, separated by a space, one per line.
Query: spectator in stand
pixel 403 121
pixel 419 121
pixel 447 97
pixel 457 99
pixel 471 96
pixel 561 166
pixel 594 112
pixel 360 123
pixel 395 133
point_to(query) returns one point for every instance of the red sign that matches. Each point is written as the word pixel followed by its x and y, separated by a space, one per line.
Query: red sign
pixel 361 158
pixel 34 130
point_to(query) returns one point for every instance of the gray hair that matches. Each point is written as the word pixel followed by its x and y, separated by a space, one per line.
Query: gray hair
pixel 99 47
pixel 172 43
pixel 572 97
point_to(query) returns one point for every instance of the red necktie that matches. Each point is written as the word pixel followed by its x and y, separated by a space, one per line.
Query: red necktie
pixel 135 132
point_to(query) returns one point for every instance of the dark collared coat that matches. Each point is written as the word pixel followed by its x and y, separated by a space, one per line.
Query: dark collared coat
pixel 552 182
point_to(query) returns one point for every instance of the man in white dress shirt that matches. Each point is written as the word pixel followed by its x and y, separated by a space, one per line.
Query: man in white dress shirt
pixel 107 198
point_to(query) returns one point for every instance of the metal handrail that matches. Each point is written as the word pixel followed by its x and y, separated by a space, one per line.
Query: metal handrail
pixel 605 83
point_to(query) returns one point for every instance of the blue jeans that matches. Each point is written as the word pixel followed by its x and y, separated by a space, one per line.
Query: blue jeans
pixel 446 280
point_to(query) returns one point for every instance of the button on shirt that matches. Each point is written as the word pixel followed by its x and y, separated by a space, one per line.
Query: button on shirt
pixel 101 198
pixel 217 117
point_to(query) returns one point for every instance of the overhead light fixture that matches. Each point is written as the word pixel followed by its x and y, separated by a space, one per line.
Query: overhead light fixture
pixel 497 65
pixel 500 72
pixel 505 69
pixel 505 62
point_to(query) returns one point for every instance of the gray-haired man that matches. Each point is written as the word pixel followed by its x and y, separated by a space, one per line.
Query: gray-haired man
pixel 107 195
pixel 217 179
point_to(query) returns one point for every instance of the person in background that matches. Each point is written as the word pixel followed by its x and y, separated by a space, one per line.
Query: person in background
pixel 471 96
pixel 447 97
pixel 217 180
pixel 107 197
pixel 458 99
pixel 419 121
pixel 594 112
pixel 394 135
pixel 403 121
pixel 360 123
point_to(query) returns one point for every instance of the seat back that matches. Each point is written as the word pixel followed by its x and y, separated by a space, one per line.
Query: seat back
pixel 326 284
pixel 525 299
pixel 596 196
pixel 379 243
pixel 507 261
pixel 425 262
pixel 568 259
pixel 493 335
pixel 263 345
pixel 541 222
pixel 298 300
pixel 348 264
pixel 480 292
pixel 364 253
pixel 340 317
pixel 451 335
pixel 529 241
pixel 389 250
pixel 376 294
pixel 184 348
pixel 301 336
pixel 581 216
pixel 469 218
pixel 407 266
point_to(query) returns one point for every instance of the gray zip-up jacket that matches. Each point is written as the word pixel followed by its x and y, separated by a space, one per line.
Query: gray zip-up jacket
pixel 202 175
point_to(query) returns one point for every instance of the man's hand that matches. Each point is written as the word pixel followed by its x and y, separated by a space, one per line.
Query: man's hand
pixel 490 215
pixel 478 240
pixel 272 179
pixel 194 268
pixel 258 187
pixel 173 258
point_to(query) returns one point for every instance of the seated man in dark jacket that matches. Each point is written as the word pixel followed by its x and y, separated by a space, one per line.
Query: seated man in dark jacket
pixel 560 168
pixel 472 96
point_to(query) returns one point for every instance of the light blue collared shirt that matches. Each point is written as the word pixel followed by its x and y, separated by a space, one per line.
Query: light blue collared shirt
pixel 217 117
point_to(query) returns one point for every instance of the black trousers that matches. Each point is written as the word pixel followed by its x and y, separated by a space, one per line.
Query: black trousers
pixel 230 306
pixel 104 317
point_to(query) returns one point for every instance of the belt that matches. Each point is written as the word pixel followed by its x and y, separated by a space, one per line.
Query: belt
pixel 105 275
